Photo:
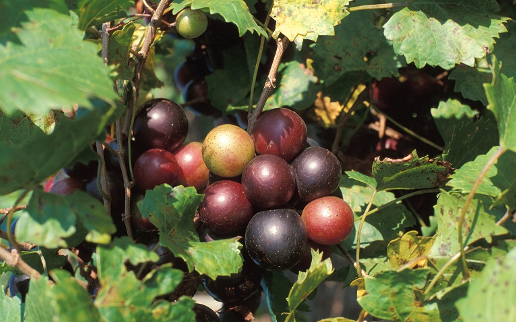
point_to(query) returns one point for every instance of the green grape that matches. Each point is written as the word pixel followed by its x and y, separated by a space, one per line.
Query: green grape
pixel 191 23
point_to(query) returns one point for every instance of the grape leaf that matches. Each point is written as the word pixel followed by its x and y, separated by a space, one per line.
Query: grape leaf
pixel 96 12
pixel 20 128
pixel 34 162
pixel 11 308
pixel 501 95
pixel 355 38
pixel 469 140
pixel 231 84
pixel 38 305
pixel 276 287
pixel 14 15
pixel 297 87
pixel 479 223
pixel 469 81
pixel 172 211
pixel 235 11
pixel 306 19
pixel 491 296
pixel 395 296
pixel 51 68
pixel 72 301
pixel 445 32
pixel 451 114
pixel 408 247
pixel 410 172
pixel 362 178
pixel 50 218
pixel 308 281
pixel 497 179
pixel 382 225
pixel 119 51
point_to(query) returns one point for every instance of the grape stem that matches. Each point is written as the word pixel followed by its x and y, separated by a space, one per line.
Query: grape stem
pixel 14 259
pixel 126 216
pixel 359 233
pixel 379 6
pixel 269 84
pixel 465 207
pixel 351 259
pixel 23 246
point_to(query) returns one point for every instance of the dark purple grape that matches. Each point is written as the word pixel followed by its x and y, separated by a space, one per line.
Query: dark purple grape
pixel 317 172
pixel 160 124
pixel 81 171
pixel 188 70
pixel 198 89
pixel 19 284
pixel 204 314
pixel 268 181
pixel 66 186
pixel 281 132
pixel 225 208
pixel 239 311
pixel 236 287
pixel 306 260
pixel 155 167
pixel 276 239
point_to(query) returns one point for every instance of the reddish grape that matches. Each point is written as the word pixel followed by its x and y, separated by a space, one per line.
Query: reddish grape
pixel 281 132
pixel 193 170
pixel 329 220
pixel 155 167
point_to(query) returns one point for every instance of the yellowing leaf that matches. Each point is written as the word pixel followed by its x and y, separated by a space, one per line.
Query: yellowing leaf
pixel 410 246
pixel 307 19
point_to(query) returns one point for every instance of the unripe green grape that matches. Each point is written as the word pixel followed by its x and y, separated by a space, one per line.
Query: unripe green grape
pixel 191 23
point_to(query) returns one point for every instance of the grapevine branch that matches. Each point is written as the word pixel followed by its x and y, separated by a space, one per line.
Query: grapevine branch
pixel 14 259
pixel 379 6
pixel 24 246
pixel 269 84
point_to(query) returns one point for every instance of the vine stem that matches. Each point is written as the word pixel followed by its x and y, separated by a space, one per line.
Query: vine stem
pixel 14 259
pixel 126 216
pixel 359 233
pixel 408 195
pixel 10 219
pixel 351 260
pixel 269 84
pixel 257 65
pixel 24 246
pixel 464 209
pixel 380 6
pixel 414 134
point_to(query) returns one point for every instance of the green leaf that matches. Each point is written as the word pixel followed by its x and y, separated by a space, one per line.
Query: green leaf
pixel 498 178
pixel 235 11
pixel 72 301
pixel 491 296
pixel 396 296
pixel 308 281
pixel 276 287
pixel 39 307
pixel 451 114
pixel 306 19
pixel 119 51
pixel 50 218
pixel 15 16
pixel 469 81
pixel 470 140
pixel 445 32
pixel 20 128
pixel 410 172
pixel 362 178
pixel 355 38
pixel 11 308
pixel 52 68
pixel 297 87
pixel 501 95
pixel 408 247
pixel 96 12
pixel 479 223
pixel 34 162
pixel 230 85
pixel 172 211
pixel 149 78
pixel 383 225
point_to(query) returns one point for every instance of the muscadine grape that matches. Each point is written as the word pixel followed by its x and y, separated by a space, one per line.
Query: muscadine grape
pixel 193 170
pixel 276 239
pixel 227 149
pixel 329 220
pixel 191 23
pixel 155 167
pixel 281 132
